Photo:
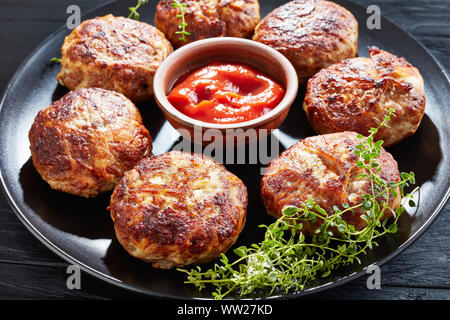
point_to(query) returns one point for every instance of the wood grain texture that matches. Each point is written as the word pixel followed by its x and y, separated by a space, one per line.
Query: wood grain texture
pixel 28 270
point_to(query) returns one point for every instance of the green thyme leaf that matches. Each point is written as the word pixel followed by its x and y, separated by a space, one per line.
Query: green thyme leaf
pixel 133 10
pixel 182 26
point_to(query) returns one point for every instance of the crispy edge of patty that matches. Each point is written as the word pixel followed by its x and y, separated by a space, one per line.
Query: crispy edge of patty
pixel 79 160
pixel 353 94
pixel 113 53
pixel 179 231
pixel 340 184
pixel 212 18
pixel 328 33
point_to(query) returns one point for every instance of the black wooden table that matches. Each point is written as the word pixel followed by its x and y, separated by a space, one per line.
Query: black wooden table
pixel 28 270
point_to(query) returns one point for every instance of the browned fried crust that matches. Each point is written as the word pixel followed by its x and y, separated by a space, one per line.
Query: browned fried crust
pixel 113 53
pixel 312 34
pixel 323 169
pixel 178 209
pixel 208 18
pixel 84 142
pixel 353 94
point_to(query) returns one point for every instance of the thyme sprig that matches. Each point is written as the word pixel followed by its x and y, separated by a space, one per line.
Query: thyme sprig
pixel 133 10
pixel 182 26
pixel 286 260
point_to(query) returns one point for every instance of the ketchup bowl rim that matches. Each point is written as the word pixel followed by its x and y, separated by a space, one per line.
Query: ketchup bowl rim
pixel 161 89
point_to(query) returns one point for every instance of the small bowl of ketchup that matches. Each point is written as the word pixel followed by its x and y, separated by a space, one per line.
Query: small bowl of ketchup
pixel 230 88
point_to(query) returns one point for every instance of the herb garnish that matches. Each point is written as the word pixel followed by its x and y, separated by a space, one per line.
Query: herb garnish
pixel 55 60
pixel 182 26
pixel 133 10
pixel 286 260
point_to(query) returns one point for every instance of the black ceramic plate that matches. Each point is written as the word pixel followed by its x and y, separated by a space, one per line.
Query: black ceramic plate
pixel 80 230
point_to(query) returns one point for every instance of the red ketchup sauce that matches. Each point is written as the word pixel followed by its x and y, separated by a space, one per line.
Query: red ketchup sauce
pixel 225 92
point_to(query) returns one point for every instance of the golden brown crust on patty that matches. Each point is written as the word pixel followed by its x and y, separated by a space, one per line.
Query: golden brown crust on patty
pixel 208 18
pixel 84 142
pixel 323 169
pixel 113 53
pixel 351 95
pixel 312 34
pixel 240 17
pixel 177 209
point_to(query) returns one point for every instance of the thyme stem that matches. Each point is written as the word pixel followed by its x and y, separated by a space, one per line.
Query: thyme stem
pixel 133 10
pixel 182 26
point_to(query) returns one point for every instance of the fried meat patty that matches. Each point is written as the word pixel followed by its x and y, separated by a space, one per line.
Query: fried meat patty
pixel 84 142
pixel 177 209
pixel 323 169
pixel 353 94
pixel 208 18
pixel 312 34
pixel 113 53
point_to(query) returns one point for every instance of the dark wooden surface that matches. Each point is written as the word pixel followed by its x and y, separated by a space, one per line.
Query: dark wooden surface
pixel 28 270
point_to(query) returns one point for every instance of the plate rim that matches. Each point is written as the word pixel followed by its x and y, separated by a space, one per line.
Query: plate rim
pixel 149 293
